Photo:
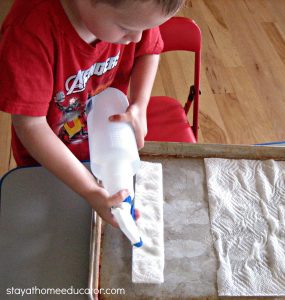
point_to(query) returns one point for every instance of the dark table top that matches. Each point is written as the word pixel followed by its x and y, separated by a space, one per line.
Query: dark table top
pixel 44 236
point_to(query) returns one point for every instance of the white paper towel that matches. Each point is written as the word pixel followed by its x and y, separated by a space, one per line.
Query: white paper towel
pixel 148 261
pixel 247 213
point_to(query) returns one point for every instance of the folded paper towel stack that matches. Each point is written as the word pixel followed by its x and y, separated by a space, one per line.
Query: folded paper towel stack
pixel 247 213
pixel 148 261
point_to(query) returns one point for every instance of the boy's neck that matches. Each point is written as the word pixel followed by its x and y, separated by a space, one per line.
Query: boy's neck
pixel 71 12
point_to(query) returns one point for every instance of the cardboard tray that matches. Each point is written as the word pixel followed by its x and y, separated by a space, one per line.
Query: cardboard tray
pixel 169 151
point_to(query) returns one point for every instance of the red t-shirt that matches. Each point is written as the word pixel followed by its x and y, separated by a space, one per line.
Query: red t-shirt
pixel 48 70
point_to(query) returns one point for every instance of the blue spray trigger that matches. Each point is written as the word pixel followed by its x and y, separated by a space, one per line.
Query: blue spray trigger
pixel 132 211
pixel 128 200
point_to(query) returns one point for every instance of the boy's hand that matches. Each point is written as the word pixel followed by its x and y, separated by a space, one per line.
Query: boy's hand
pixel 136 116
pixel 102 202
pixel 142 78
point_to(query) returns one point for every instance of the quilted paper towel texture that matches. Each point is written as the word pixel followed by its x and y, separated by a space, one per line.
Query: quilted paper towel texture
pixel 247 214
pixel 148 261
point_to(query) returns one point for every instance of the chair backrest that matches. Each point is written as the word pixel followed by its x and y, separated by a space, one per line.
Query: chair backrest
pixel 180 33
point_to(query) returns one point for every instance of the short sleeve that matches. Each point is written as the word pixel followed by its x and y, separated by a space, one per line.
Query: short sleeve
pixel 151 43
pixel 26 77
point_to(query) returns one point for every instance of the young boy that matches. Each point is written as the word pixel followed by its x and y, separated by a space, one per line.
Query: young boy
pixel 54 55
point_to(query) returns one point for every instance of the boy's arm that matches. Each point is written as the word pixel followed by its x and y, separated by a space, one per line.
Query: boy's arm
pixel 142 79
pixel 42 143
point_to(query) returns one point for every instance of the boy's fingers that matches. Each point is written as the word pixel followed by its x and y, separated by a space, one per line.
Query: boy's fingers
pixel 118 198
pixel 109 218
pixel 120 118
pixel 125 117
pixel 137 214
pixel 139 137
pixel 140 142
pixel 114 201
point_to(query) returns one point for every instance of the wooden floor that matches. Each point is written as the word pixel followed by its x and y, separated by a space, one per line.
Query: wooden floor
pixel 243 73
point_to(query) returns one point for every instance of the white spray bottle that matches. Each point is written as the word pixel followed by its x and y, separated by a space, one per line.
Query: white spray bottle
pixel 114 155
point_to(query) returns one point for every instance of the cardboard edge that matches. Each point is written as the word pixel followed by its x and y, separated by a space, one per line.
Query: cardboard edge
pixel 95 252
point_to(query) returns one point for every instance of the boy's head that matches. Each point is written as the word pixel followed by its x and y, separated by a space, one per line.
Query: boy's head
pixel 123 21
pixel 169 7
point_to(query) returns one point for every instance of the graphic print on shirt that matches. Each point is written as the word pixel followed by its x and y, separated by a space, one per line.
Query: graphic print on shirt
pixel 72 127
pixel 77 83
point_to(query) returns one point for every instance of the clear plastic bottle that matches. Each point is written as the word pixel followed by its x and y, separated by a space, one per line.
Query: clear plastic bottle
pixel 114 155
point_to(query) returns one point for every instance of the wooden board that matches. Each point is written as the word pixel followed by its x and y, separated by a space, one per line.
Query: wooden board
pixel 213 150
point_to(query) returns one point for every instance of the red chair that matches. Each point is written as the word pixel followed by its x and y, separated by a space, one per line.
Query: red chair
pixel 166 118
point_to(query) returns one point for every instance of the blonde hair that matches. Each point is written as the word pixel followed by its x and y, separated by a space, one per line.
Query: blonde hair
pixel 168 6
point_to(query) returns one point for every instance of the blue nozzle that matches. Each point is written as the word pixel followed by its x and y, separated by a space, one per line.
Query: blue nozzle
pixel 129 200
pixel 139 244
